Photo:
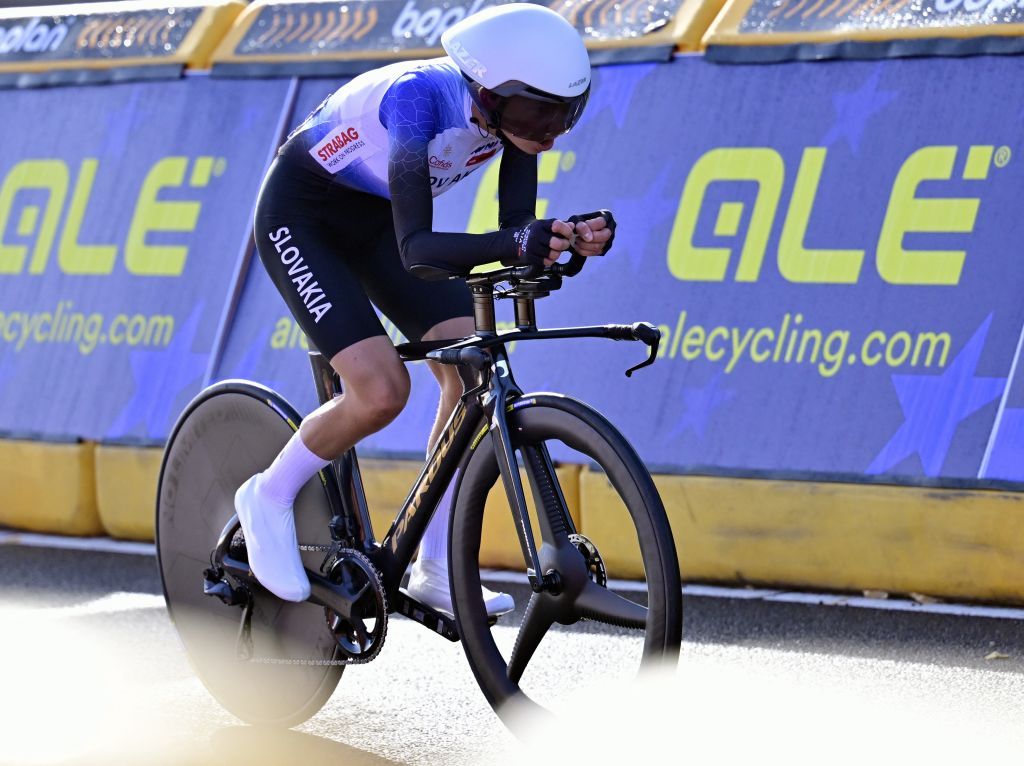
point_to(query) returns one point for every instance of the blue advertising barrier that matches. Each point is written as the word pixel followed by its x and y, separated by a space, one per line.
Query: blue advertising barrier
pixel 829 250
pixel 122 213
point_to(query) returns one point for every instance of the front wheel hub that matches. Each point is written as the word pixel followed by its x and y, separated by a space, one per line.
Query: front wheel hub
pixel 595 564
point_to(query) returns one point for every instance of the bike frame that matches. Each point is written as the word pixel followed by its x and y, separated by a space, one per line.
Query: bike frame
pixel 393 554
pixel 489 393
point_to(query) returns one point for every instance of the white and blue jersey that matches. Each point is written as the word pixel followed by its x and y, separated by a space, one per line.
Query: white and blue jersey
pixel 405 132
pixel 384 113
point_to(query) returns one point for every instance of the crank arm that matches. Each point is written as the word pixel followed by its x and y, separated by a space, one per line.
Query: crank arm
pixel 325 593
pixel 438 622
pixel 322 591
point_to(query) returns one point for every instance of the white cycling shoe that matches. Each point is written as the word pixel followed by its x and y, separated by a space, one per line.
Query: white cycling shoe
pixel 271 542
pixel 428 584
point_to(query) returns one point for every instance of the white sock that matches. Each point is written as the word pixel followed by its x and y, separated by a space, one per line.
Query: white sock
pixel 434 545
pixel 290 471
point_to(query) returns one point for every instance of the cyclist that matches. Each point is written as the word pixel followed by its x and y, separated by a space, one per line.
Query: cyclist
pixel 344 217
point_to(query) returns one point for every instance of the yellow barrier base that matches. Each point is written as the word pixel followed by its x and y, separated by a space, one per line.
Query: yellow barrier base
pixel 387 484
pixel 48 487
pixel 943 543
pixel 954 544
pixel 126 479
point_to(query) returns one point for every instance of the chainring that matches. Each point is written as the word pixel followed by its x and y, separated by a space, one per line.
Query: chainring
pixel 357 575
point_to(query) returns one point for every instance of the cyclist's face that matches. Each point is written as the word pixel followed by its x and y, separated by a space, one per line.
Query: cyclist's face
pixel 523 144
pixel 528 146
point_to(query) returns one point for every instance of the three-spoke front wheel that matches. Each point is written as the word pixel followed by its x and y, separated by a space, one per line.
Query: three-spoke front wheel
pixel 542 657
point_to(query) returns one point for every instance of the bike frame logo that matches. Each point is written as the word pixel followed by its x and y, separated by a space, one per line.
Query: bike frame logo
pixel 152 218
pixel 443 445
pixel 908 213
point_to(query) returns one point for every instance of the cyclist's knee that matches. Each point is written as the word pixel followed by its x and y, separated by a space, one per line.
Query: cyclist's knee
pixel 374 380
pixel 382 401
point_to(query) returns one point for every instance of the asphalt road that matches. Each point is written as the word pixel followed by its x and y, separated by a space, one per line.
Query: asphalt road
pixel 92 672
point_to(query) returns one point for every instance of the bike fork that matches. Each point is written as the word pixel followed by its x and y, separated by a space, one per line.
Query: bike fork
pixel 509 468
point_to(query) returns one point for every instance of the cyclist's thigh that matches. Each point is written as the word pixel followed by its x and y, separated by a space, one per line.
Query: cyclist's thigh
pixel 304 257
pixel 414 305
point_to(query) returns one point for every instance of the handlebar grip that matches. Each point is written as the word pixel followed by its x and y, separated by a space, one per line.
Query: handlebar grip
pixel 621 332
pixel 642 331
pixel 570 268
pixel 474 357
pixel 529 271
pixel 445 355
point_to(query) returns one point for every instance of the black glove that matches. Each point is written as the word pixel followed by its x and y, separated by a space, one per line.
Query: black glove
pixel 533 243
pixel 606 214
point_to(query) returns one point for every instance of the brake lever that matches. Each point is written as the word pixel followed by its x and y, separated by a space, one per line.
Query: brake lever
pixel 651 336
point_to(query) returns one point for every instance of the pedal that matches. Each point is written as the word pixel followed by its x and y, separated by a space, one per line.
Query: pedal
pixel 438 622
pixel 216 585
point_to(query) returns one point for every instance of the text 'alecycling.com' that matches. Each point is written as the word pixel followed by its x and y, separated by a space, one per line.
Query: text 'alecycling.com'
pixel 792 341
pixel 84 331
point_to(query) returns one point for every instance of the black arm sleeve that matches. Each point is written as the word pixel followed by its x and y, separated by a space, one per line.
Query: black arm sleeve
pixel 409 115
pixel 517 187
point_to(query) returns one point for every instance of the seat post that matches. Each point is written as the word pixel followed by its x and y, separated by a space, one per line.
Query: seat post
pixel 328 384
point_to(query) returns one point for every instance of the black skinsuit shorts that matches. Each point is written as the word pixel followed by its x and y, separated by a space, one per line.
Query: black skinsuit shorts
pixel 331 251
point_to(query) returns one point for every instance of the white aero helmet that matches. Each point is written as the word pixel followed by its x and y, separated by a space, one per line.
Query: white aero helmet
pixel 527 68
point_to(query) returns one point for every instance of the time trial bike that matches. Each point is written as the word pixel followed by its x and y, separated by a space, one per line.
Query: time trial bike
pixel 270 661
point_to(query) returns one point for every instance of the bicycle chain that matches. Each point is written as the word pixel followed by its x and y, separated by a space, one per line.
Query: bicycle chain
pixel 317 662
pixel 309 662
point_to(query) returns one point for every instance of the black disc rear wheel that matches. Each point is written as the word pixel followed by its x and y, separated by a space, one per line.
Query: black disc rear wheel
pixel 228 433
pixel 582 631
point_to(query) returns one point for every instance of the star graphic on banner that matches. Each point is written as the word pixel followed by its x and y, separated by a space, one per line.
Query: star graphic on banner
pixel 854 108
pixel 934 406
pixel 698 406
pixel 160 377
pixel 615 92
pixel 120 128
pixel 639 216
pixel 247 367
